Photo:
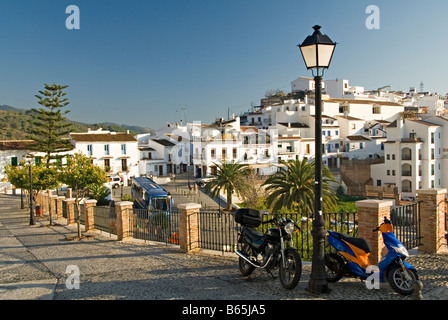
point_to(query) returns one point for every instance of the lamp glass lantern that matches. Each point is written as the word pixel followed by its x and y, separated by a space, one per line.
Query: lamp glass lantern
pixel 317 50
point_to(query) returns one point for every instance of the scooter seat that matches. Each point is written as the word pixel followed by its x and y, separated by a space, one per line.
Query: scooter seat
pixel 357 242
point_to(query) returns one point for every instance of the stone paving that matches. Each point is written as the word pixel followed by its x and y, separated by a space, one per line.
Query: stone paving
pixel 34 262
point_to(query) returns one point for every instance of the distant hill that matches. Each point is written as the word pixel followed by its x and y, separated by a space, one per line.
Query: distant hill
pixel 15 124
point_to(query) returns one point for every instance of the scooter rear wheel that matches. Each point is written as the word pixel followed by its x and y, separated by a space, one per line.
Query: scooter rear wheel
pixel 333 267
pixel 398 281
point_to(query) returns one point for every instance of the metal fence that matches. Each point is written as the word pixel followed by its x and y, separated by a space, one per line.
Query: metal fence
pixel 161 226
pixel 105 219
pixel 303 240
pixel 218 231
pixel 406 222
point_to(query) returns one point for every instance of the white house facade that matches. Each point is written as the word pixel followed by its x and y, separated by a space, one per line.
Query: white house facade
pixel 114 151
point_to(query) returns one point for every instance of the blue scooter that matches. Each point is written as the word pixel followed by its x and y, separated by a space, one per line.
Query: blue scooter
pixel 352 260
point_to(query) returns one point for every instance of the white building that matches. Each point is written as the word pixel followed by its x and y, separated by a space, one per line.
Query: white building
pixel 115 151
pixel 414 156
pixel 12 152
pixel 227 141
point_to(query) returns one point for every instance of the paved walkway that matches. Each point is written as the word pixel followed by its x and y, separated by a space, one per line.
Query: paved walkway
pixel 37 261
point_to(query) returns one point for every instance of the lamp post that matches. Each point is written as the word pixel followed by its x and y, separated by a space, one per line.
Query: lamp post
pixel 317 51
pixel 32 219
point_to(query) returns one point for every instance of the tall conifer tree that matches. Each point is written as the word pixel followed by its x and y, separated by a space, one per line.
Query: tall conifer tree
pixel 49 123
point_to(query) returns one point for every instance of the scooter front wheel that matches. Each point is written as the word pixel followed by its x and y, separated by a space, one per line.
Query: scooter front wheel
pixel 400 282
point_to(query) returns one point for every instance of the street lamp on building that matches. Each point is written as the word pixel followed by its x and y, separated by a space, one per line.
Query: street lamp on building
pixel 317 51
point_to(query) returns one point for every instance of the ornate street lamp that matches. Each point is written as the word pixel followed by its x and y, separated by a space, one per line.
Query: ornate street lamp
pixel 317 51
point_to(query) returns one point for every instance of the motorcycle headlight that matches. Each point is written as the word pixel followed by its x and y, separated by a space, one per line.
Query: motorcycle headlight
pixel 289 228
pixel 401 250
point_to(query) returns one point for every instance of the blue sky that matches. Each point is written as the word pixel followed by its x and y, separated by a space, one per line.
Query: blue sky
pixel 141 62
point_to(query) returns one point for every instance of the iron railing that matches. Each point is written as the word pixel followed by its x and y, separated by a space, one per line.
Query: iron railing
pixel 161 226
pixel 105 219
pixel 406 222
pixel 303 240
pixel 217 230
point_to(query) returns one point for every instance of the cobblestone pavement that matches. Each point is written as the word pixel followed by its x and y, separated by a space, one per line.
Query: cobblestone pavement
pixel 34 262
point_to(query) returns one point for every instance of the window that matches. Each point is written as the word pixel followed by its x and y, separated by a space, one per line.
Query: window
pixel 89 149
pixel 123 148
pixel 388 172
pixel 106 149
pixel 307 148
pixel 432 169
pixel 107 164
pixel 213 153
pixel 388 156
pixel 432 153
pixel 432 137
pixel 224 156
pixel 393 172
pixel 234 153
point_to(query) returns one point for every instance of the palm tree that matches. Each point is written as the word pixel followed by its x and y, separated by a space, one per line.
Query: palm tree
pixel 293 187
pixel 230 177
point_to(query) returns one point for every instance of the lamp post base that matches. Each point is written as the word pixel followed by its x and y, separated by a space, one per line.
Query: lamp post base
pixel 318 286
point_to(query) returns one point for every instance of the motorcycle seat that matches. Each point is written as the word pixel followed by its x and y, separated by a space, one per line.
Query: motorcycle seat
pixel 357 242
pixel 253 234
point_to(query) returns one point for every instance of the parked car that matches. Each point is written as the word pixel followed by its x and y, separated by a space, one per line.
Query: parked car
pixel 115 182
pixel 201 181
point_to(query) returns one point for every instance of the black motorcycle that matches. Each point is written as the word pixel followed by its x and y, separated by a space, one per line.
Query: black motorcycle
pixel 271 250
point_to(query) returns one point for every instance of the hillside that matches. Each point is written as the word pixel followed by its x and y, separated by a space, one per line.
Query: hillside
pixel 16 123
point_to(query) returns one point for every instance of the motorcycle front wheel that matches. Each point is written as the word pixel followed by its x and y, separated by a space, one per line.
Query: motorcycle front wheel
pixel 398 281
pixel 245 267
pixel 291 271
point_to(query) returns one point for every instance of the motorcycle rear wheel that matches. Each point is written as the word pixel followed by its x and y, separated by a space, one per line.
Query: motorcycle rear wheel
pixel 291 272
pixel 245 267
pixel 398 281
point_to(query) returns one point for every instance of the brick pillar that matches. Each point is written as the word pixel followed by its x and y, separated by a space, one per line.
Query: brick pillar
pixel 53 203
pixel 371 214
pixel 89 215
pixel 189 226
pixel 70 210
pixel 59 207
pixel 69 193
pixel 124 211
pixel 432 219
